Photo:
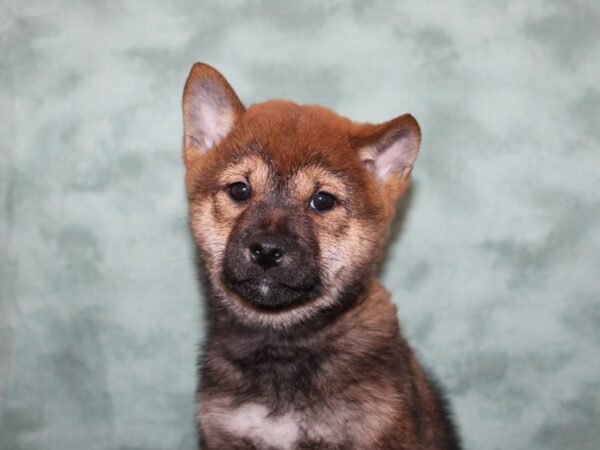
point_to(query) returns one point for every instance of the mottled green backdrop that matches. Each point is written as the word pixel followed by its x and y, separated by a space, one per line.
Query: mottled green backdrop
pixel 496 269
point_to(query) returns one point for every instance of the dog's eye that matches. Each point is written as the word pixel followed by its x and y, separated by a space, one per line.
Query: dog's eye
pixel 322 201
pixel 239 191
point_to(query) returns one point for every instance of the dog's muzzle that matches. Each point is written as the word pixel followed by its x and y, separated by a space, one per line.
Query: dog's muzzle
pixel 271 272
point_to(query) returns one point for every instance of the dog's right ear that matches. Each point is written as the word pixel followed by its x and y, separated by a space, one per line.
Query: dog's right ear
pixel 210 109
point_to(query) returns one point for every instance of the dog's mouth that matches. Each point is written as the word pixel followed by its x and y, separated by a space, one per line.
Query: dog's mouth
pixel 266 293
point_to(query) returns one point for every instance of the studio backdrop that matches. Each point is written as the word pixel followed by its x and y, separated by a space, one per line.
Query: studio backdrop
pixel 495 256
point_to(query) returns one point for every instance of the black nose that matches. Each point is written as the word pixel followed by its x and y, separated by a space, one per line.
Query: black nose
pixel 266 254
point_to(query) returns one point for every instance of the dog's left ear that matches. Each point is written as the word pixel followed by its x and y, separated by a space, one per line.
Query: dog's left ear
pixel 210 110
pixel 389 150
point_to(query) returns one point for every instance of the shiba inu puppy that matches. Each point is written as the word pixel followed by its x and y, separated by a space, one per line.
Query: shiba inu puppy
pixel 289 207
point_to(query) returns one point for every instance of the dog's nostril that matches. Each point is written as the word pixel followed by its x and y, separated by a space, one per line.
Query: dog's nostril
pixel 266 254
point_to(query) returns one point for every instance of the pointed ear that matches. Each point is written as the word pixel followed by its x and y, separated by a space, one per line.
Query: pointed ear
pixel 389 149
pixel 210 109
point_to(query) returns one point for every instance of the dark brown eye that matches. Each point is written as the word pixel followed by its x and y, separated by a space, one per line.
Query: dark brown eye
pixel 239 191
pixel 322 201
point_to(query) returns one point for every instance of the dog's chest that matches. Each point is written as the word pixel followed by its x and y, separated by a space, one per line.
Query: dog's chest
pixel 270 374
pixel 251 423
pixel 292 398
pixel 338 424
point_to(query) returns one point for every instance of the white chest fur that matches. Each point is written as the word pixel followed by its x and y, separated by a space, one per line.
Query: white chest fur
pixel 253 422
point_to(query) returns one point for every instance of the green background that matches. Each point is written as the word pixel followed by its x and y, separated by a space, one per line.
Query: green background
pixel 495 268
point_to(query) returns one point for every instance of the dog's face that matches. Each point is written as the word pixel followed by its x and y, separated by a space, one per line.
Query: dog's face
pixel 289 205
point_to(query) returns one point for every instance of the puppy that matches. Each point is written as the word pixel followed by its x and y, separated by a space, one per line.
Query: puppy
pixel 289 208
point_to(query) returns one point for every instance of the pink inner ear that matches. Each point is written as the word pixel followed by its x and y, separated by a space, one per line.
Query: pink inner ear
pixel 396 154
pixel 215 121
pixel 209 116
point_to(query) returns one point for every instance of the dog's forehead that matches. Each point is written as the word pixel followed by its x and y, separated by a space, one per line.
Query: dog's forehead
pixel 291 136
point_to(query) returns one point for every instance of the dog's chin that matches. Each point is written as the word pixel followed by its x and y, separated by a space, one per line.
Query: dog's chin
pixel 270 295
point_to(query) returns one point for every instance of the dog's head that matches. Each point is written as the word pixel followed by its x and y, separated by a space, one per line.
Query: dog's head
pixel 289 205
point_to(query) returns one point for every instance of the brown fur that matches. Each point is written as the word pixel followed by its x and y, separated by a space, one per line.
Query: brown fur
pixel 329 370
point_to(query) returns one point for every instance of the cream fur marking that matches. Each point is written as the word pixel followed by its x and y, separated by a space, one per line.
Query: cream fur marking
pixel 251 169
pixel 305 183
pixel 252 421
